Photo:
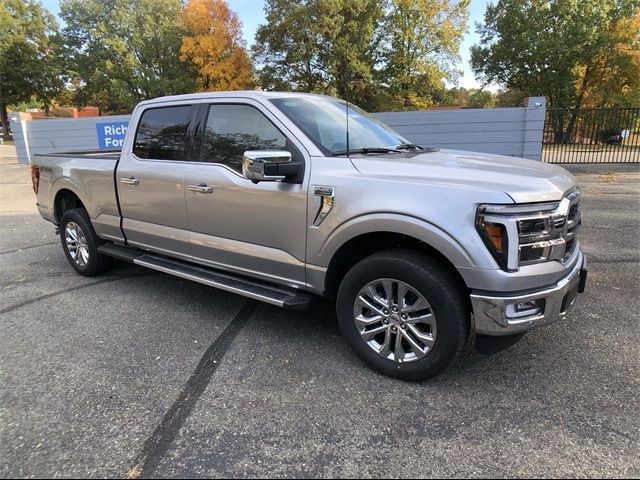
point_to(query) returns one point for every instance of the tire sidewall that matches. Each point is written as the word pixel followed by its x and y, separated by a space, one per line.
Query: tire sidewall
pixel 80 217
pixel 438 288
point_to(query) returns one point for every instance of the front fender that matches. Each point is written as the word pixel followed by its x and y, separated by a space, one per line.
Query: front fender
pixel 402 224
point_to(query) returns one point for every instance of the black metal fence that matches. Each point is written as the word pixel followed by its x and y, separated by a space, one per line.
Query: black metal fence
pixel 592 135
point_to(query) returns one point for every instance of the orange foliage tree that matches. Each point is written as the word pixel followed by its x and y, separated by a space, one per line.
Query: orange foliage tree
pixel 214 47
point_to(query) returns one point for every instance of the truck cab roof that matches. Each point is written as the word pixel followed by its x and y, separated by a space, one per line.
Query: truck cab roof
pixel 252 94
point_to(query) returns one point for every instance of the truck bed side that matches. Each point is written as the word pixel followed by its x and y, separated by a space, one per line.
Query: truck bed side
pixel 85 177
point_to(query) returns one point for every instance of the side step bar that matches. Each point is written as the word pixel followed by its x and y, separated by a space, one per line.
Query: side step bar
pixel 288 298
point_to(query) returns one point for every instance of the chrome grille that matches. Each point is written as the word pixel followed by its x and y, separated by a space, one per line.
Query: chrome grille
pixel 535 232
pixel 550 235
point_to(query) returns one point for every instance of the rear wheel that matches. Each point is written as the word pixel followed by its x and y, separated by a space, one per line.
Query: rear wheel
pixel 404 314
pixel 80 243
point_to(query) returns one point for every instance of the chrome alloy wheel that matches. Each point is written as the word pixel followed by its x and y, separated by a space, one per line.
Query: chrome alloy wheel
pixel 395 320
pixel 76 244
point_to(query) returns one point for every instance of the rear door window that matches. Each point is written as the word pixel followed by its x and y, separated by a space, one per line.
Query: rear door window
pixel 162 133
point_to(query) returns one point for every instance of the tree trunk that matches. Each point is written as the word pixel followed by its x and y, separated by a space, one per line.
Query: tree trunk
pixel 4 121
pixel 558 126
pixel 575 111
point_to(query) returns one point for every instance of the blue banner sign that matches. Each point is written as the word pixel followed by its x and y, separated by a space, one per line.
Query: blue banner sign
pixel 111 135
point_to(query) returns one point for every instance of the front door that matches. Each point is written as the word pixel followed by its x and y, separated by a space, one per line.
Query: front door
pixel 150 179
pixel 257 229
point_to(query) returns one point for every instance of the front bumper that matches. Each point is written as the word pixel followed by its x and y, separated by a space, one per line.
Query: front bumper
pixel 496 315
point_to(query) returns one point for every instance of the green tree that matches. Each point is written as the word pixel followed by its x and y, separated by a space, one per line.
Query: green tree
pixel 287 48
pixel 123 52
pixel 479 98
pixel 507 97
pixel 380 54
pixel 472 98
pixel 423 40
pixel 454 97
pixel 350 48
pixel 561 54
pixel 323 46
pixel 29 65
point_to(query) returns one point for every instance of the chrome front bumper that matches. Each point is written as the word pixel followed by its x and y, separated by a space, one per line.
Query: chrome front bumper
pixel 495 315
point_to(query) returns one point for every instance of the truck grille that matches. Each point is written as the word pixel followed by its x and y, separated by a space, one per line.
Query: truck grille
pixel 547 236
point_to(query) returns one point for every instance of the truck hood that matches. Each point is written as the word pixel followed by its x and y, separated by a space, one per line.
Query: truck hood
pixel 523 180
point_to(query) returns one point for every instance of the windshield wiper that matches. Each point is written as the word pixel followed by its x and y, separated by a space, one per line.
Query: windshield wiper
pixel 367 150
pixel 409 146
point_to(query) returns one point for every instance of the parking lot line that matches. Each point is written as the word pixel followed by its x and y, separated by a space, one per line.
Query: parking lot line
pixel 158 443
pixel 71 289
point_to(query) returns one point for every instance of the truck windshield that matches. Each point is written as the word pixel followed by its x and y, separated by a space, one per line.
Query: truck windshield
pixel 324 121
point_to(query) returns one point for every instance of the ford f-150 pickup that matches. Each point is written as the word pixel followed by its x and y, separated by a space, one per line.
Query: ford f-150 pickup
pixel 282 197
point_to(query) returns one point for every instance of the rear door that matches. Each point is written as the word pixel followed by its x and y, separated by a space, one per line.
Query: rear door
pixel 150 179
pixel 235 224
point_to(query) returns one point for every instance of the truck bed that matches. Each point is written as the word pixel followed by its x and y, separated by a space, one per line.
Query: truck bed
pixel 97 154
pixel 90 176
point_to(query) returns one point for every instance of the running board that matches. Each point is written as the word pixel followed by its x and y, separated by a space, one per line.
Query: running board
pixel 288 298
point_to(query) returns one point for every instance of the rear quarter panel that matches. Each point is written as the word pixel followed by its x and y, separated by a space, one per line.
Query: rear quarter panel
pixel 90 179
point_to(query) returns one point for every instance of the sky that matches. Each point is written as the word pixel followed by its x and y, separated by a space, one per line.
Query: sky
pixel 251 13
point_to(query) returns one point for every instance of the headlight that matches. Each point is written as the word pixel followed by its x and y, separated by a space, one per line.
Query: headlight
pixel 495 238
pixel 518 235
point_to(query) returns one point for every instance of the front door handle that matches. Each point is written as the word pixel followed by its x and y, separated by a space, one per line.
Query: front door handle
pixel 202 188
pixel 130 181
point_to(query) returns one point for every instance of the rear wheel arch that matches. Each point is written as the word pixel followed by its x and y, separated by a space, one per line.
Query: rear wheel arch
pixel 65 200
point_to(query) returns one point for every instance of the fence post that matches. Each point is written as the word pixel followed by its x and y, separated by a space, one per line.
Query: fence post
pixel 20 137
pixel 534 117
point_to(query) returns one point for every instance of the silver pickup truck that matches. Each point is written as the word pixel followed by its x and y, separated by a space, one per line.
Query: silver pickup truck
pixel 282 197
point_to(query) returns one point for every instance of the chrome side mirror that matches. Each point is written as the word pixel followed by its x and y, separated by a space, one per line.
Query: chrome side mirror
pixel 266 165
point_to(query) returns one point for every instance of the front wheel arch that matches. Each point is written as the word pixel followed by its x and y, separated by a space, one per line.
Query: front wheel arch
pixel 365 245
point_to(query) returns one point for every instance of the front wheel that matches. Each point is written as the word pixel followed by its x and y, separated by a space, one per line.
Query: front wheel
pixel 404 313
pixel 80 243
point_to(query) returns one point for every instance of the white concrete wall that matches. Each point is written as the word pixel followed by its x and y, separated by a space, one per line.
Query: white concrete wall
pixel 59 135
pixel 506 131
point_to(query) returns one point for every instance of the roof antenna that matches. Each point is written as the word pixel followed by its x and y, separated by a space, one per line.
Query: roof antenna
pixel 347 110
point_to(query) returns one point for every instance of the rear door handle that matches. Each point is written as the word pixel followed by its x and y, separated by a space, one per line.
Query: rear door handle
pixel 202 188
pixel 130 181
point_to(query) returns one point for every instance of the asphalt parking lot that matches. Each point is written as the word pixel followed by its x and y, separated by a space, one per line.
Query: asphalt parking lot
pixel 138 373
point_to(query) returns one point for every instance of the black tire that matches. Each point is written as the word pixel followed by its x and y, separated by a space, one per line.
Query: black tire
pixel 439 286
pixel 96 263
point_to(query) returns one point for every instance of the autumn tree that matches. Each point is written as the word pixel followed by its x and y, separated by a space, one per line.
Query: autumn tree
pixel 213 46
pixel 125 51
pixel 423 39
pixel 29 63
pixel 614 73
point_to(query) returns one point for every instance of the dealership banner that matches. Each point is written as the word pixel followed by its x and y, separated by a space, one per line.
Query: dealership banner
pixel 111 135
